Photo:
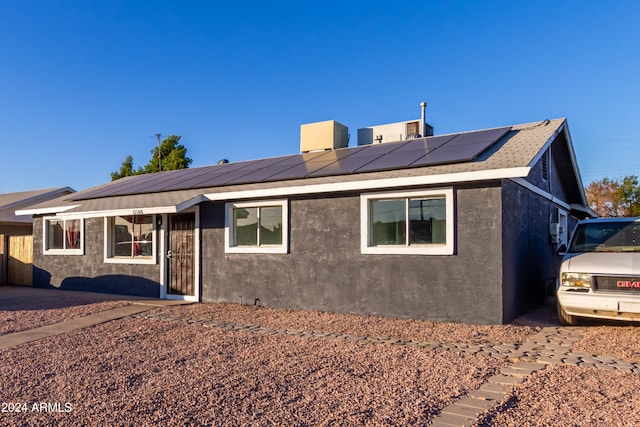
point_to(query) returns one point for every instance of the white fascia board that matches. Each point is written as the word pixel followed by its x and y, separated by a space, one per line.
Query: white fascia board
pixel 120 212
pixel 45 211
pixel 137 210
pixel 574 163
pixel 540 192
pixel 191 202
pixel 374 184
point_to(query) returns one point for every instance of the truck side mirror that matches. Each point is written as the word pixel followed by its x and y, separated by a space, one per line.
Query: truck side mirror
pixel 562 250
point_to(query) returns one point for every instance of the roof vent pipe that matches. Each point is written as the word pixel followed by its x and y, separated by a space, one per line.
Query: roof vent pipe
pixel 423 119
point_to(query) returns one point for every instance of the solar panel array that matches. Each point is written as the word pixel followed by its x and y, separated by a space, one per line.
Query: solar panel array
pixel 428 151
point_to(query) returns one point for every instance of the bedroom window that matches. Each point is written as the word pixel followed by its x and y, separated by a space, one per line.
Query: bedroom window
pixel 63 236
pixel 407 223
pixel 256 227
pixel 130 238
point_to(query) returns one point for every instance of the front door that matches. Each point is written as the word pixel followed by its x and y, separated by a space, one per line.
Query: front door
pixel 181 255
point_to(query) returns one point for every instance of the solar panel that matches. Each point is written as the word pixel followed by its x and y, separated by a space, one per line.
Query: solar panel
pixel 462 148
pixel 405 155
pixel 388 156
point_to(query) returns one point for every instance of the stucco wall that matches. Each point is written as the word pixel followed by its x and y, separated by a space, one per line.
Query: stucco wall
pixel 530 259
pixel 326 271
pixel 88 272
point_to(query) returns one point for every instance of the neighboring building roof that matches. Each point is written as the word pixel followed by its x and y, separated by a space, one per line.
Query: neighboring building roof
pixel 10 202
pixel 508 152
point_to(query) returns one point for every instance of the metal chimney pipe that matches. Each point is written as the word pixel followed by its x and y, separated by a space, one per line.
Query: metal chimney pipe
pixel 423 119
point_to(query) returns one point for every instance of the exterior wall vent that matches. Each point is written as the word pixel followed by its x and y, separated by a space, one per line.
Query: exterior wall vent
pixel 320 136
pixel 545 165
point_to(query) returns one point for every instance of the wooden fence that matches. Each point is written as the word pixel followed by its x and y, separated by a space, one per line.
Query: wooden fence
pixel 16 260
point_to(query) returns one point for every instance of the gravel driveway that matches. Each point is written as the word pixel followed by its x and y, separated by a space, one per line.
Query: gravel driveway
pixel 154 370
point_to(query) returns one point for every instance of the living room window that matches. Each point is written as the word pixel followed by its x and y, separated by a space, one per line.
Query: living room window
pixel 256 227
pixel 130 239
pixel 416 222
pixel 63 236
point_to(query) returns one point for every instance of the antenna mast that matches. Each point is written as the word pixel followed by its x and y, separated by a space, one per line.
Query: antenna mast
pixel 159 153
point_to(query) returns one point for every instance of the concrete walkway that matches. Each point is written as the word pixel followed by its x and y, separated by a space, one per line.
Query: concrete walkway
pixel 31 298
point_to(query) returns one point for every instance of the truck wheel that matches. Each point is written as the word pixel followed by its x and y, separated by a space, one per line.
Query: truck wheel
pixel 564 318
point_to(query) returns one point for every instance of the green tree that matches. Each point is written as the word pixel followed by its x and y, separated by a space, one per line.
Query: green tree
pixel 615 197
pixel 126 169
pixel 173 156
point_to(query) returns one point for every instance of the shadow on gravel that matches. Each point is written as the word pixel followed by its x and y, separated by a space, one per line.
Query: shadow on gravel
pixel 542 316
pixel 24 298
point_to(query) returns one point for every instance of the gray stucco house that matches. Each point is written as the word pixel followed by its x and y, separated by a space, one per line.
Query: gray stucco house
pixel 462 227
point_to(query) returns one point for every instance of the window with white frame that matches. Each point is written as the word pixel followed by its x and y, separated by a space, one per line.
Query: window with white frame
pixel 130 239
pixel 257 227
pixel 414 222
pixel 63 236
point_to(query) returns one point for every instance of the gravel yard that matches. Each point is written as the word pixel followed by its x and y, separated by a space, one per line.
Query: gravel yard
pixel 151 372
pixel 138 371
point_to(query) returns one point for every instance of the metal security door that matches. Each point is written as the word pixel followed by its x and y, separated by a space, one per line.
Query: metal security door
pixel 180 256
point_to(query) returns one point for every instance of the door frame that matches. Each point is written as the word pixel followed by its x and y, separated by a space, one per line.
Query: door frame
pixel 164 265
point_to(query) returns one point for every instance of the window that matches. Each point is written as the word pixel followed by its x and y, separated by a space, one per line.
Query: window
pixel 417 222
pixel 63 236
pixel 130 238
pixel 256 227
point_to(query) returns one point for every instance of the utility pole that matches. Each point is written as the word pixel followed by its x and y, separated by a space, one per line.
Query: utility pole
pixel 159 153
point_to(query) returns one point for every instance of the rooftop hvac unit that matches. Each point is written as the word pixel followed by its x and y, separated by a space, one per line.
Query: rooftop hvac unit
pixel 392 132
pixel 320 136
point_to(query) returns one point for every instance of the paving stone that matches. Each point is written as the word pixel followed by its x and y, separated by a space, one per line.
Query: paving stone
pixel 494 388
pixel 624 364
pixel 487 395
pixel 574 361
pixel 586 365
pixel 606 367
pixel 589 359
pixel 582 354
pixel 453 420
pixel 462 410
pixel 549 360
pixel 482 404
pixel 517 372
pixel 504 379
pixel 623 368
pixel 606 359
pixel 526 365
pixel 500 355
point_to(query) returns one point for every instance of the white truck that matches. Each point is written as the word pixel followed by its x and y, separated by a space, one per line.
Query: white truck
pixel 600 272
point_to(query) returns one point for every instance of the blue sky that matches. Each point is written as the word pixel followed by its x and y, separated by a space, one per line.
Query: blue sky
pixel 83 84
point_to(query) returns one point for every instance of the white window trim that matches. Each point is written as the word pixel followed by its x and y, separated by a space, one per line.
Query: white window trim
pixel 265 249
pixel 432 249
pixel 45 238
pixel 108 259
